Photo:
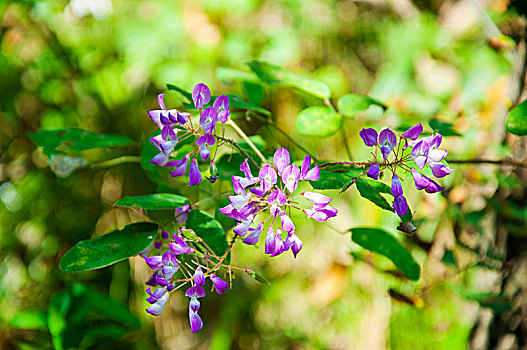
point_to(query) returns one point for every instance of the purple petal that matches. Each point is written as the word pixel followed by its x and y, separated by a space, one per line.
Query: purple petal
pixel 290 177
pixel 387 138
pixel 436 141
pixel 373 171
pixel 313 174
pixel 194 304
pixel 433 187
pixel 219 284
pixel 267 173
pixel 277 196
pixel 195 321
pixel 199 277
pixel 439 170
pixel 296 245
pixel 247 170
pixel 269 241
pixel 385 150
pixel 369 136
pixel 421 181
pixel 181 167
pixel 397 188
pixel 287 223
pixel 437 155
pixel 254 236
pixel 281 159
pixel 221 103
pixel 194 174
pixel 278 243
pixel 400 205
pixel 181 213
pixel 317 198
pixel 200 95
pixel 413 133
pixel 154 262
pixel 223 116
pixel 160 101
pixel 157 308
pixel 242 228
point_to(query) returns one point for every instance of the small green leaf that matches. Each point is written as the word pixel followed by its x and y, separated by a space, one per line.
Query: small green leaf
pixel 229 74
pixel 517 120
pixel 75 140
pixel 381 242
pixel 156 201
pixel 229 164
pixel 183 92
pixel 271 74
pixel 257 277
pixel 318 121
pixel 334 180
pixel 443 128
pixel 350 105
pixel 209 230
pixel 29 320
pixel 109 248
pixel 371 190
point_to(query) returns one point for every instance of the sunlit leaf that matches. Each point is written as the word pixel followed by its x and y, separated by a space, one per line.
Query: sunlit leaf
pixel 209 230
pixel 318 121
pixel 333 180
pixel 229 74
pixel 156 201
pixel 445 129
pixel 381 242
pixel 371 190
pixel 517 120
pixel 350 105
pixel 272 74
pixel 109 248
pixel 75 140
pixel 29 320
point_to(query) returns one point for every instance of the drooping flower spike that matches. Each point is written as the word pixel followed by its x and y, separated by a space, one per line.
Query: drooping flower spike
pixel 176 126
pixel 422 151
pixel 274 189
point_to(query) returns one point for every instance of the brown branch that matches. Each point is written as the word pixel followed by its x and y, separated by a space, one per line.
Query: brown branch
pixel 239 149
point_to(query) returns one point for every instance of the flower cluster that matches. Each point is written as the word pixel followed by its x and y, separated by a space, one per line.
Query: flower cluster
pixel 274 189
pixel 424 151
pixel 177 126
pixel 164 267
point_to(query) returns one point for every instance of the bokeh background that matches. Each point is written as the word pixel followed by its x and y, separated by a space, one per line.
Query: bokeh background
pixel 99 65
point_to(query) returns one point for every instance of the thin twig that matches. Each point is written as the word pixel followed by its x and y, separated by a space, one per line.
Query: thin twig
pixel 240 132
pixel 239 149
pixel 116 161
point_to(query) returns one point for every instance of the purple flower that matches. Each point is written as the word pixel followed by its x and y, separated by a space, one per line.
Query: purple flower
pixel 413 133
pixel 373 171
pixel 387 141
pixel 194 174
pixel 194 303
pixel 219 284
pixel 221 105
pixel 181 166
pixel 397 188
pixel 439 170
pixel 317 198
pixel 369 136
pixel 154 262
pixel 421 181
pixel 200 95
pixel 321 214
pixel 199 277
pixel 290 177
pixel 208 120
pixel 400 205
pixel 268 174
pixel 305 173
pixel 281 160
pixel 195 321
pixel 420 154
pixel 295 243
pixel 181 213
pixel 254 236
pixel 278 243
pixel 243 227
pixel 197 291
pixel 269 241
pixel 157 307
pixel 287 223
pixel 179 246
pixel 433 187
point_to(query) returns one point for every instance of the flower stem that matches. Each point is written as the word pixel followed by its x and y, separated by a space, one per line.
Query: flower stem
pixel 247 139
pixel 116 161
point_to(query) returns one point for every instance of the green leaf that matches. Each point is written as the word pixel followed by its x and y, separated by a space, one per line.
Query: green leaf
pixel 229 164
pixel 229 74
pixel 257 277
pixel 58 308
pixel 517 120
pixel 496 302
pixel 75 140
pixel 156 201
pixel 318 121
pixel 29 320
pixel 271 74
pixel 209 230
pixel 331 180
pixel 371 190
pixel 381 242
pixel 185 93
pixel 257 140
pixel 350 105
pixel 443 128
pixel 110 248
pixel 111 308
